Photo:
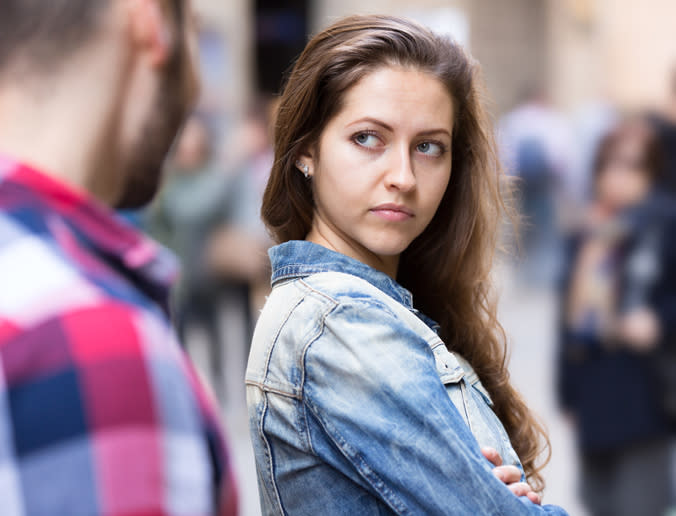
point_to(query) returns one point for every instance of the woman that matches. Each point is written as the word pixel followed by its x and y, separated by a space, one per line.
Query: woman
pixel 618 319
pixel 384 191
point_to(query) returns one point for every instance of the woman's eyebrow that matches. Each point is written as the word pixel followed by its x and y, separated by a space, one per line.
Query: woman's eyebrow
pixel 435 131
pixel 388 127
pixel 373 121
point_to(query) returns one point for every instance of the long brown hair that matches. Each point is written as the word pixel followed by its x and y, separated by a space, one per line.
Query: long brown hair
pixel 447 268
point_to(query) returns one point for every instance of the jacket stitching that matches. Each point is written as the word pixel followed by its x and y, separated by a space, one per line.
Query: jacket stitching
pixel 266 387
pixel 268 454
pixel 274 340
pixel 318 333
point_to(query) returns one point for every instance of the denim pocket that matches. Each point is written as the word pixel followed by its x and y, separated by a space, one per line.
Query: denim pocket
pixel 451 374
pixel 448 367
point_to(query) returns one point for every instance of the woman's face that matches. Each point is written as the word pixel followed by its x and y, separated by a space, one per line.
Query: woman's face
pixel 623 181
pixel 382 166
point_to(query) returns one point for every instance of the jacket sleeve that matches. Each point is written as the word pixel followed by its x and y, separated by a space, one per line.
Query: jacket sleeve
pixel 371 385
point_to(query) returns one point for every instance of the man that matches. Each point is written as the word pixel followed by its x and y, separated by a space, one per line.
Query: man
pixel 100 412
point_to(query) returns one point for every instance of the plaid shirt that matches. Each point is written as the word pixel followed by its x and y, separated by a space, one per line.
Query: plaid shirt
pixel 100 411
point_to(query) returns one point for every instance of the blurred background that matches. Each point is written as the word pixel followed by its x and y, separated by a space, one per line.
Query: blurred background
pixel 565 79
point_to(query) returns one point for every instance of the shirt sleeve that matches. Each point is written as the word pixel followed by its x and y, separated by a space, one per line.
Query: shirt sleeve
pixel 371 384
pixel 98 416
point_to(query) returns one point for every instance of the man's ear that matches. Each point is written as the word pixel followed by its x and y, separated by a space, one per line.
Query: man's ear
pixel 152 30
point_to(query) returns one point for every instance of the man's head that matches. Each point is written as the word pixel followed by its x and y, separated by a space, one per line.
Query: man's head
pixel 36 35
pixel 173 101
pixel 140 56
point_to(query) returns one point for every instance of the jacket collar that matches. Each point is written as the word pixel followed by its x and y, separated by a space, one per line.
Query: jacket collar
pixel 299 258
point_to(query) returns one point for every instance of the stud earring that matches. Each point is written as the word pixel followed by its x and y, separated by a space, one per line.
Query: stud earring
pixel 303 168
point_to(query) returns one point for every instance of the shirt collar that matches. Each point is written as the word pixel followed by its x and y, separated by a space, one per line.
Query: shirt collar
pixel 300 258
pixel 97 224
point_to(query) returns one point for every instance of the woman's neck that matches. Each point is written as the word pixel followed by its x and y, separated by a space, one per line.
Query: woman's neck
pixel 386 264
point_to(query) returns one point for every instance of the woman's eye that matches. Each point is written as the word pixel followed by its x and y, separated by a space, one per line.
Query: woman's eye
pixel 430 149
pixel 367 140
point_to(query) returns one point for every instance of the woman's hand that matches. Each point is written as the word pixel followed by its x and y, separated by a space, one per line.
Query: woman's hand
pixel 510 475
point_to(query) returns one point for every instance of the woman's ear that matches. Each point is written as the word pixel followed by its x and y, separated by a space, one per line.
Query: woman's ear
pixel 305 163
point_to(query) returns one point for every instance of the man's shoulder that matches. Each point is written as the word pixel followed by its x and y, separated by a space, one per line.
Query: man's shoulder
pixel 39 282
pixel 46 272
pixel 107 384
pixel 48 297
pixel 96 368
pixel 84 335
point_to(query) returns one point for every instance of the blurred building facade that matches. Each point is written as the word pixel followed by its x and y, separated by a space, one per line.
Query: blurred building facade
pixel 577 49
pixel 619 49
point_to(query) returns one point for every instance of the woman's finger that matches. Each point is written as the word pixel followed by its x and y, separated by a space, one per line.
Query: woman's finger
pixel 534 497
pixel 520 488
pixel 508 474
pixel 492 455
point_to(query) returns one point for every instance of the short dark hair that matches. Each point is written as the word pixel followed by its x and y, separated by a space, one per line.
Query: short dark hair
pixel 42 32
pixel 631 129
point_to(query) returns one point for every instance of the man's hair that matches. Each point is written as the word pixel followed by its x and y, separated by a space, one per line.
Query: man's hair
pixel 40 33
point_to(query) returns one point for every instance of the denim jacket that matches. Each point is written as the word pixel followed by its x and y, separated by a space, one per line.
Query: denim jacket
pixel 356 407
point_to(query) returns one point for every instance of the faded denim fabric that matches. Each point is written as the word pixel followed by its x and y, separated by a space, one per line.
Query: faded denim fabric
pixel 356 406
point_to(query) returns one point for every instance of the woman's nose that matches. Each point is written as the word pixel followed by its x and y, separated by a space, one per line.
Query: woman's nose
pixel 400 175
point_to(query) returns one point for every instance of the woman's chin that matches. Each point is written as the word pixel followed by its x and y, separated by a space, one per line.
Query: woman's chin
pixel 388 250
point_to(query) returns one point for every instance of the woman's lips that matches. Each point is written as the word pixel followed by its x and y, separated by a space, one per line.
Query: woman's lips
pixel 392 212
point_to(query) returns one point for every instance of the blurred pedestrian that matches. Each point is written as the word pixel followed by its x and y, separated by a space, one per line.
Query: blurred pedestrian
pixel 353 396
pixel 535 146
pixel 100 411
pixel 618 315
pixel 198 215
pixel 237 249
pixel 592 120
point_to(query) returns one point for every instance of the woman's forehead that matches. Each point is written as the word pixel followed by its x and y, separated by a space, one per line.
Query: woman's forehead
pixel 398 95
